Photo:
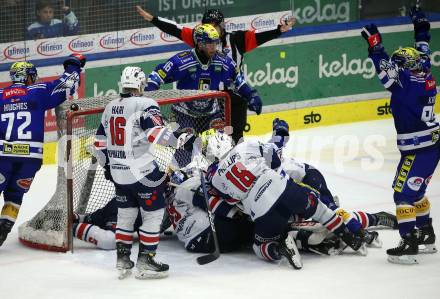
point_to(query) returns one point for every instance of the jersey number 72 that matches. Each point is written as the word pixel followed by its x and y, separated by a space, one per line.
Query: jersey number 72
pixel 21 129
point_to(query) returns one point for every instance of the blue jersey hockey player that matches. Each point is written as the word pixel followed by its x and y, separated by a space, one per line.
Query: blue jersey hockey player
pixel 413 90
pixel 203 68
pixel 22 108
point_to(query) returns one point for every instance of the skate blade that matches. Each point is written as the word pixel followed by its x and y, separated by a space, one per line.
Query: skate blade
pixel 362 250
pixel 377 243
pixel 123 273
pixel 148 274
pixel 403 259
pixel 427 249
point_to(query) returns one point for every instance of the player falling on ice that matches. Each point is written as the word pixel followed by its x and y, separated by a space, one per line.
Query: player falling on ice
pixel 124 146
pixel 413 90
pixel 22 108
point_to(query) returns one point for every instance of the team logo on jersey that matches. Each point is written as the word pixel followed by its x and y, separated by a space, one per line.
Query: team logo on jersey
pixel 25 183
pixel 204 84
pixel 415 182
pixel 430 84
pixel 2 178
pixel 14 92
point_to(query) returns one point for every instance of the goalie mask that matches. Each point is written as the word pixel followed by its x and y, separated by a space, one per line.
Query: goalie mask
pixel 216 144
pixel 407 58
pixel 20 71
pixel 133 78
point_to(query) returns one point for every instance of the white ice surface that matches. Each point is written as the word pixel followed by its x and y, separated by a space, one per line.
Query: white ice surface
pixel 90 273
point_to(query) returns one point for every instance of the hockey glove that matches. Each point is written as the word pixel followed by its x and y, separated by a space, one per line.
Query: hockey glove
pixel 371 34
pixel 254 103
pixel 74 62
pixel 421 25
pixel 280 127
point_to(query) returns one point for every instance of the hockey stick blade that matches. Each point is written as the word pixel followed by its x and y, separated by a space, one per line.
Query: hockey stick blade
pixel 206 259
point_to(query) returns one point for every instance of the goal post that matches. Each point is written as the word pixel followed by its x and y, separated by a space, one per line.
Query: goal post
pixel 81 185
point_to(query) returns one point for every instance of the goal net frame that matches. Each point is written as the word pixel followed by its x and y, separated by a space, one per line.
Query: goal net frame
pixel 62 241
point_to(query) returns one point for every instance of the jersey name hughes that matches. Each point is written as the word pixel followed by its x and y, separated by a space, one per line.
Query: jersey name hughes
pixel 14 107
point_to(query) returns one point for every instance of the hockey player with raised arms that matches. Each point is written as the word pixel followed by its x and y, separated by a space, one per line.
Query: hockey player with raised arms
pixel 203 68
pixel 22 108
pixel 233 44
pixel 413 91
pixel 124 146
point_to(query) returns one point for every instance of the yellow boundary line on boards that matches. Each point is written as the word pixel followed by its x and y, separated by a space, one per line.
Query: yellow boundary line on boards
pixel 325 115
pixel 298 119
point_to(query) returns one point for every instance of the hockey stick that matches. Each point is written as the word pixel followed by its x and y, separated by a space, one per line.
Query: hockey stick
pixel 210 257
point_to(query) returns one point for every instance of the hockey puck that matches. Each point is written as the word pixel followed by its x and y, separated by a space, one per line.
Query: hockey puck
pixel 74 107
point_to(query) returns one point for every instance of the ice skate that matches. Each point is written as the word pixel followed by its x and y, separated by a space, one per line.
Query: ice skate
pixel 371 239
pixel 123 262
pixel 354 241
pixel 406 252
pixel 148 268
pixel 426 239
pixel 289 250
pixel 385 219
pixel 5 229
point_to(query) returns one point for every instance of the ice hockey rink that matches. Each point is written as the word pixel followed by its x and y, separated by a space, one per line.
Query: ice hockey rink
pixel 358 161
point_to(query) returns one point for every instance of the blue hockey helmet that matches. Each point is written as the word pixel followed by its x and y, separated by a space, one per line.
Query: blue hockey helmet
pixel 20 71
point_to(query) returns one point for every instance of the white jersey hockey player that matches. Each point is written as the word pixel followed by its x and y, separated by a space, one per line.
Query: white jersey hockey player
pixel 247 175
pixel 123 145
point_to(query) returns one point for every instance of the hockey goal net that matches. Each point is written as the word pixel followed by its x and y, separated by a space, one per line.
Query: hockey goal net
pixel 81 185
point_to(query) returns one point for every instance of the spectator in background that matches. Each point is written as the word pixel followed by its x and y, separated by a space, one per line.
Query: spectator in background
pixel 47 26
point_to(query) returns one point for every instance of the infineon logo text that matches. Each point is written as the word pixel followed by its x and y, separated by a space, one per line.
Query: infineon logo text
pixel 81 45
pixel 49 48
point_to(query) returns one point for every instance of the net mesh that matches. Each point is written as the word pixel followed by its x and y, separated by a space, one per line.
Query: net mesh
pixel 89 188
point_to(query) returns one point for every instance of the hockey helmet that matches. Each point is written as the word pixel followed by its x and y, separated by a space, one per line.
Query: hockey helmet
pixel 408 58
pixel 206 33
pixel 20 71
pixel 216 144
pixel 213 16
pixel 133 77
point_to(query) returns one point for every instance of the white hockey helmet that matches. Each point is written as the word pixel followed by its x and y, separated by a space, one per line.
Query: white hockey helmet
pixel 216 144
pixel 133 77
